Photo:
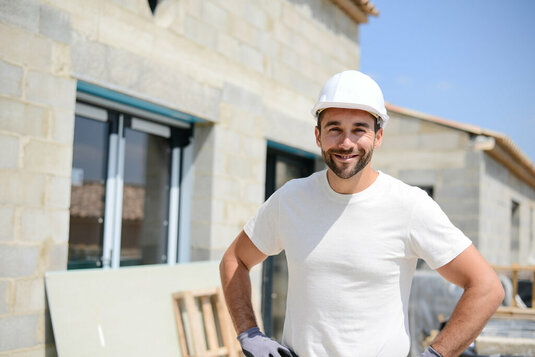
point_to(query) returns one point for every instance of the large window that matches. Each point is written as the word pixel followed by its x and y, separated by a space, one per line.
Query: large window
pixel 283 164
pixel 129 189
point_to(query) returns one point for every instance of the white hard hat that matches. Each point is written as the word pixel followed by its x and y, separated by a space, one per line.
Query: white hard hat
pixel 352 90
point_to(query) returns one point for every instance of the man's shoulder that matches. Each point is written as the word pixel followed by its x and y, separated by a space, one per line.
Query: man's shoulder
pixel 402 189
pixel 303 184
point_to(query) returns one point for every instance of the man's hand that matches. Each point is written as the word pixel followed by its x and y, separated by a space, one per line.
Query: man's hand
pixel 255 344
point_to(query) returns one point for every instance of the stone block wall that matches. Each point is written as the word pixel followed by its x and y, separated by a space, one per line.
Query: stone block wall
pixel 500 188
pixel 250 69
pixel 424 153
pixel 37 94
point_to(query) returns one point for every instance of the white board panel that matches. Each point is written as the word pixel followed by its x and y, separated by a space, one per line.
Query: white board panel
pixel 122 312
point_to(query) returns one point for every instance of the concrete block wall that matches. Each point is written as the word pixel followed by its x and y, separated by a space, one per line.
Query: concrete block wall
pixel 499 188
pixel 37 95
pixel 423 153
pixel 252 70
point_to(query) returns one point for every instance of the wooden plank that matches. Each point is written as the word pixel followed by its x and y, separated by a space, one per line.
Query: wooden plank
pixel 199 345
pixel 177 300
pixel 517 267
pixel 515 286
pixel 209 324
pixel 515 313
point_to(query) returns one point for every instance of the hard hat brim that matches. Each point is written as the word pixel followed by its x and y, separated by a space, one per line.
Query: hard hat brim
pixel 325 105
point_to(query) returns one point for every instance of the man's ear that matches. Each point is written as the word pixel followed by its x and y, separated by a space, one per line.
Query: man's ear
pixel 378 138
pixel 317 133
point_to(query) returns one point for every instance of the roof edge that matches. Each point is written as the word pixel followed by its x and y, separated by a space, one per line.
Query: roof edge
pixel 357 10
pixel 505 150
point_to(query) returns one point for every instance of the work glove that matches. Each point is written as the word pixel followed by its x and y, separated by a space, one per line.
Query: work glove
pixel 255 344
pixel 431 352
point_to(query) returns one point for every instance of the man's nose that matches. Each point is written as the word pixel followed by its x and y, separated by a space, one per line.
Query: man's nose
pixel 345 141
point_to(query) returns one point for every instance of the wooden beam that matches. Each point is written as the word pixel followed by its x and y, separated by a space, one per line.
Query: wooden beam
pixel 352 10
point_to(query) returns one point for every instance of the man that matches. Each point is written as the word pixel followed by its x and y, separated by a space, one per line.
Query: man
pixel 352 237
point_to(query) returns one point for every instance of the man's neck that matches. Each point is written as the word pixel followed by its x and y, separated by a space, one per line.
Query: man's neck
pixel 354 184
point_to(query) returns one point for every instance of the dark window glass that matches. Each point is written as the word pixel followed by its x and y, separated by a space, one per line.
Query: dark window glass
pixel 88 188
pixel 145 199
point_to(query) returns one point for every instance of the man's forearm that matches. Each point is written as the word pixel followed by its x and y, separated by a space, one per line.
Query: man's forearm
pixel 476 306
pixel 237 289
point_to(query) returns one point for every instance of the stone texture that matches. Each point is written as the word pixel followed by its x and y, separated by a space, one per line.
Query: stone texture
pixel 54 24
pixel 51 90
pixel 10 79
pixel 39 225
pixel 24 49
pixel 20 13
pixel 57 257
pixel 38 351
pixel 5 292
pixel 242 98
pixel 18 332
pixel 200 32
pixel 215 16
pixel 29 295
pixel 58 194
pixel 63 126
pixel 47 157
pixel 252 58
pixel 19 188
pixel 7 222
pixel 9 147
pixel 23 118
pixel 17 261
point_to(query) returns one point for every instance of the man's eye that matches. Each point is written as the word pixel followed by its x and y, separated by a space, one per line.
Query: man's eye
pixel 334 129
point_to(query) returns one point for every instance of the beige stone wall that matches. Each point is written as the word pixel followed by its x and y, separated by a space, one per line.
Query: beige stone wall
pixel 37 94
pixel 423 153
pixel 501 187
pixel 252 69
pixel 473 189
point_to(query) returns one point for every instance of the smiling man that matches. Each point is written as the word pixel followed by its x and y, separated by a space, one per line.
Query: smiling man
pixel 352 237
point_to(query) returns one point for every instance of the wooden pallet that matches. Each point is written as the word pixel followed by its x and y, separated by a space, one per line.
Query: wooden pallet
pixel 204 325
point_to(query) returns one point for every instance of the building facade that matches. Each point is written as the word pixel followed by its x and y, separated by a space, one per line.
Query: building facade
pixel 137 132
pixel 480 178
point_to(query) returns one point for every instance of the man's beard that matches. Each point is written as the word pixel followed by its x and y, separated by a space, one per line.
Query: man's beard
pixel 345 171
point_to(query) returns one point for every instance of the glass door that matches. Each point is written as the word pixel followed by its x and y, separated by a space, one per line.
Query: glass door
pixel 145 209
pixel 88 187
pixel 281 167
pixel 127 191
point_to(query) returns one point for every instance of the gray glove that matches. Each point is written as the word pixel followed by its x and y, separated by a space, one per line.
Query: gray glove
pixel 255 344
pixel 431 352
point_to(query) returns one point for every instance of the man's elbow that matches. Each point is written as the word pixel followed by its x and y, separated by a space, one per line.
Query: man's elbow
pixel 496 292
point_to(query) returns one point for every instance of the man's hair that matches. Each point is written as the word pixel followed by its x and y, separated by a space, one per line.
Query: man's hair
pixel 376 127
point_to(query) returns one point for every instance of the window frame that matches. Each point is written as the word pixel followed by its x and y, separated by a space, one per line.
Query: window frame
pixel 98 103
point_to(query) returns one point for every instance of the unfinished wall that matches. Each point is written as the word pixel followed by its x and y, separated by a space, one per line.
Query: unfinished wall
pixel 499 188
pixel 423 153
pixel 251 69
pixel 37 94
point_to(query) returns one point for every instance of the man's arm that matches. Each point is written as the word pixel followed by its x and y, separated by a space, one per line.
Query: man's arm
pixel 238 260
pixel 482 295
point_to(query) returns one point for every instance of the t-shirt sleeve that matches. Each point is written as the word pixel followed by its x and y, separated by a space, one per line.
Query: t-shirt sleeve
pixel 263 227
pixel 432 235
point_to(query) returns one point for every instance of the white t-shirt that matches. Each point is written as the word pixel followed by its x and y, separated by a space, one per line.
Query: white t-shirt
pixel 351 259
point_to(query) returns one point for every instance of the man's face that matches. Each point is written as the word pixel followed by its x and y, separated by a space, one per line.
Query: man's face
pixel 347 139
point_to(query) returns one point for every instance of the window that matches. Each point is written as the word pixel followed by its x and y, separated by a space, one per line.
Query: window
pixel 130 187
pixel 283 164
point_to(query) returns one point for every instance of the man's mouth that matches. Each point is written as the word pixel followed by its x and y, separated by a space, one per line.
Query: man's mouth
pixel 345 157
